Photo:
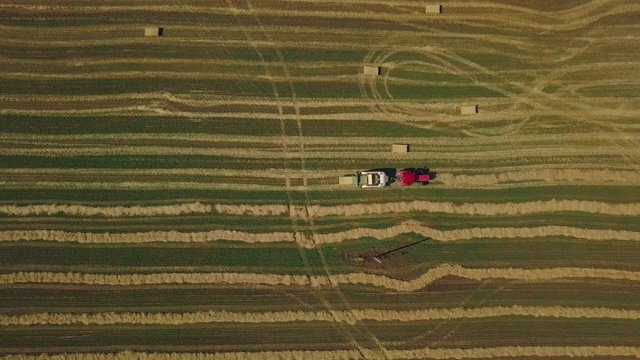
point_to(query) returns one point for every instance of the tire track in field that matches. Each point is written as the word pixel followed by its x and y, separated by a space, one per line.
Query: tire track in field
pixel 580 112
pixel 351 316
pixel 418 353
pixel 247 279
pixel 522 98
pixel 299 235
pixel 319 239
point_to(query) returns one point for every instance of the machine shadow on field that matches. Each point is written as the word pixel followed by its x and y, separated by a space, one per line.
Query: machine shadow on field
pixel 397 261
pixel 390 172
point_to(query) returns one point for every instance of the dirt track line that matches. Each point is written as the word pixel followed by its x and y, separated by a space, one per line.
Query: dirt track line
pixel 427 278
pixel 419 353
pixel 319 239
pixel 351 316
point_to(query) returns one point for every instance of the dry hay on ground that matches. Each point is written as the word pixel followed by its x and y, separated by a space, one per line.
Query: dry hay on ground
pixel 349 316
pixel 317 239
pixel 508 209
pixel 318 281
pixel 242 86
pixel 361 354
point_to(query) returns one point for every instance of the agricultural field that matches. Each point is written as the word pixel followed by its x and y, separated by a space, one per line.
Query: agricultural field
pixel 176 196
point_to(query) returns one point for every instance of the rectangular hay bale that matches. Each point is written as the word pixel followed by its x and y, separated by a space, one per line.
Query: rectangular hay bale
pixel 372 70
pixel 153 31
pixel 469 109
pixel 400 148
pixel 345 180
pixel 433 9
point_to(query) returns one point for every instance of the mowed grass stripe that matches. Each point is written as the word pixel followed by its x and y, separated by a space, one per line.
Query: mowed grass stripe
pixel 192 139
pixel 317 281
pixel 248 186
pixel 443 293
pixel 284 258
pixel 249 126
pixel 436 154
pixel 213 337
pixel 349 316
pixel 326 145
pixel 130 197
pixel 507 331
pixel 560 21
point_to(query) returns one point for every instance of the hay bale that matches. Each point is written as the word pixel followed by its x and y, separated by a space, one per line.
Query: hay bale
pixel 372 70
pixel 433 9
pixel 469 109
pixel 346 180
pixel 153 31
pixel 400 148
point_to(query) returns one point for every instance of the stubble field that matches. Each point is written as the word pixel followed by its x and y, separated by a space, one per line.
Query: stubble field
pixel 176 197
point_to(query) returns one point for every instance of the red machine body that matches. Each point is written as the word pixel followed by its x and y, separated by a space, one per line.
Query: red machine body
pixel 412 176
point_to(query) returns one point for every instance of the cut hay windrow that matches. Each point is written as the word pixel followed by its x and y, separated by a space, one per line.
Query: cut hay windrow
pixel 319 238
pixel 571 176
pixel 350 316
pixel 146 185
pixel 259 210
pixel 474 233
pixel 317 281
pixel 107 211
pixel 328 238
pixel 360 354
pixel 144 237
pixel 508 209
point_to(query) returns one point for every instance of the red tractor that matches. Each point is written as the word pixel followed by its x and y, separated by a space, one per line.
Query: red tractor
pixel 412 176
